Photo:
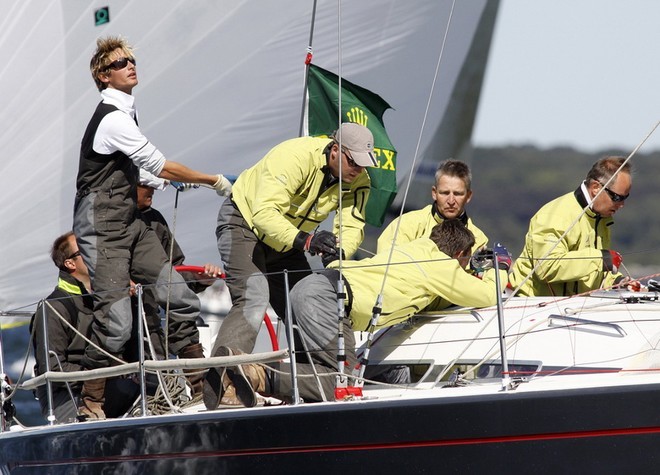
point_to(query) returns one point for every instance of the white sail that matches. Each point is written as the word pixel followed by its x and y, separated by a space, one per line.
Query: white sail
pixel 220 83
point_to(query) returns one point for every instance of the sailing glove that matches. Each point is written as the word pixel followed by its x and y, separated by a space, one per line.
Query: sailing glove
pixel 612 260
pixel 222 186
pixel 323 242
pixel 503 256
pixel 483 259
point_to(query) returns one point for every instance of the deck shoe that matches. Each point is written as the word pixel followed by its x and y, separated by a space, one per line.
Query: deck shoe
pixel 242 386
pixel 229 397
pixel 93 398
pixel 244 380
pixel 247 381
pixel 256 375
pixel 195 377
pixel 215 382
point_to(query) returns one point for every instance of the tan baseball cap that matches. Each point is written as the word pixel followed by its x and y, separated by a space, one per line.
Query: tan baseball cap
pixel 358 140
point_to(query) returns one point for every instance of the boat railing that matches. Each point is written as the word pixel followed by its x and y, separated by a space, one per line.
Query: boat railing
pixel 140 367
pixel 154 365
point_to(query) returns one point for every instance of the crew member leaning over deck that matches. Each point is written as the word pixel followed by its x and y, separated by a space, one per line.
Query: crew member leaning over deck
pixel 422 272
pixel 71 299
pixel 576 255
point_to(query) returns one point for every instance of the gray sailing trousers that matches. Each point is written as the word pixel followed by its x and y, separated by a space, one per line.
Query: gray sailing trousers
pixel 314 305
pixel 254 277
pixel 116 252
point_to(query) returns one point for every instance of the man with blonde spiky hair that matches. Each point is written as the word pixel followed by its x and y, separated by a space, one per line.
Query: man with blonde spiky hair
pixel 113 243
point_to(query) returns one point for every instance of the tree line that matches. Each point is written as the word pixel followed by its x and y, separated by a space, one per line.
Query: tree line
pixel 510 184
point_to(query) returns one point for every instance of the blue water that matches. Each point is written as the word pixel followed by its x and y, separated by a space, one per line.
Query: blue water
pixel 15 343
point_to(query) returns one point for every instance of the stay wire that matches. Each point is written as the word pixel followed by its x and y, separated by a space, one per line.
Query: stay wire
pixel 308 60
pixel 413 169
pixel 341 346
pixel 515 291
pixel 171 269
pixel 584 210
pixel 379 299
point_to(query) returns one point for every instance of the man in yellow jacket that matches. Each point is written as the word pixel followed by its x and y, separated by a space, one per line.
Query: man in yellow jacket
pixel 268 224
pixel 564 255
pixel 451 194
pixel 422 272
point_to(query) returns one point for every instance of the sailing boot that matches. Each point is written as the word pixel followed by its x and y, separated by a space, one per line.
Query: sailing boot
pixel 229 397
pixel 93 397
pixel 255 376
pixel 217 383
pixel 230 385
pixel 247 380
pixel 195 377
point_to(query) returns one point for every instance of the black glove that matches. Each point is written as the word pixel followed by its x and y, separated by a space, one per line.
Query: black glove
pixel 328 258
pixel 323 242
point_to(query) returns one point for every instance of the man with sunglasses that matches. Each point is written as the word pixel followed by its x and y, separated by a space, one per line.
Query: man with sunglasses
pixel 115 245
pixel 69 313
pixel 564 255
pixel 268 224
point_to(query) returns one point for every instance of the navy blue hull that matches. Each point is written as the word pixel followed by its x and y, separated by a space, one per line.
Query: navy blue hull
pixel 609 430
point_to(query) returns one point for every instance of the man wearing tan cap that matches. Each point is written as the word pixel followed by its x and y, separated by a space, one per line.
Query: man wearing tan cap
pixel 268 224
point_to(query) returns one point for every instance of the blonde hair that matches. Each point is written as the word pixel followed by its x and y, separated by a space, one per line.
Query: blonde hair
pixel 454 168
pixel 105 46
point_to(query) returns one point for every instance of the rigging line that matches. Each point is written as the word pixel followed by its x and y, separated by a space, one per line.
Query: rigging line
pixel 308 60
pixel 377 308
pixel 152 351
pixel 87 340
pixel 419 140
pixel 169 277
pixel 28 351
pixel 339 138
pixel 515 291
pixel 584 210
pixel 341 380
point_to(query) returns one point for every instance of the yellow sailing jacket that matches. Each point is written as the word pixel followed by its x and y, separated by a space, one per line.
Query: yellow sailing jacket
pixel 419 223
pixel 419 275
pixel 575 265
pixel 286 192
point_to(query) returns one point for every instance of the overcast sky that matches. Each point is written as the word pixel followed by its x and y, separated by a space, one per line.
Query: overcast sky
pixel 583 73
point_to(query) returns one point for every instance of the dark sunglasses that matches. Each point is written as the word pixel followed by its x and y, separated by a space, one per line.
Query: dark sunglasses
pixel 616 197
pixel 74 255
pixel 350 160
pixel 121 63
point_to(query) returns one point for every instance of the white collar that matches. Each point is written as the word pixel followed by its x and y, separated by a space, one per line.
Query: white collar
pixel 122 101
pixel 585 192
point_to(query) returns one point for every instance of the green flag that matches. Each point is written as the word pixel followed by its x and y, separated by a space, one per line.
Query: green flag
pixel 363 107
